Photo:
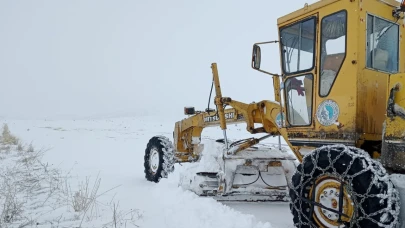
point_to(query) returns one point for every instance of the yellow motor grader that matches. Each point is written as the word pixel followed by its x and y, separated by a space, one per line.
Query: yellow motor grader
pixel 340 107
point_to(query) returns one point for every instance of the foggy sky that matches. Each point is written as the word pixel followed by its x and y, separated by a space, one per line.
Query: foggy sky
pixel 81 58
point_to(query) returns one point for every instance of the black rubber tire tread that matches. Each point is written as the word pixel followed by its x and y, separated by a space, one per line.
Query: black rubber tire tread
pixel 373 194
pixel 166 158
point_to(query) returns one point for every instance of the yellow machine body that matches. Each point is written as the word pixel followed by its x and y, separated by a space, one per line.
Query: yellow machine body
pixel 359 90
pixel 338 103
pixel 346 78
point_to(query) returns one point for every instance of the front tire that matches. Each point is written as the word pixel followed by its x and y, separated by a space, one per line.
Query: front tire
pixel 159 158
pixel 369 197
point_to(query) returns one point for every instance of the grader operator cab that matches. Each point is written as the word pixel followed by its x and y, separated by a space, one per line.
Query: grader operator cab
pixel 339 106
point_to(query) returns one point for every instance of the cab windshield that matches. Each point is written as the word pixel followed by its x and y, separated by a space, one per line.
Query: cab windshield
pixel 297 46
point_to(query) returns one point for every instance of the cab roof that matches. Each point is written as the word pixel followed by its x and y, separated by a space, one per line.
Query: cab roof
pixel 321 3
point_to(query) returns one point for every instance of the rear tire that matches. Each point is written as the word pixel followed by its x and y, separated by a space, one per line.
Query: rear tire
pixel 159 158
pixel 370 198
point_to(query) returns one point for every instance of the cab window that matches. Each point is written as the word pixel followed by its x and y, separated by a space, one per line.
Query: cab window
pixel 382 44
pixel 297 46
pixel 333 49
pixel 299 100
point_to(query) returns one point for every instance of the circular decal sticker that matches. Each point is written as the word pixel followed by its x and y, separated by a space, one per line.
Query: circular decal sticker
pixel 280 121
pixel 327 113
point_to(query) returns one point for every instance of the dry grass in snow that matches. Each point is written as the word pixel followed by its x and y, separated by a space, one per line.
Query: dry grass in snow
pixel 33 194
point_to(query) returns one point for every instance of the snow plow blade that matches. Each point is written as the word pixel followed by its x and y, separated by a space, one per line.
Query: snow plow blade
pixel 255 174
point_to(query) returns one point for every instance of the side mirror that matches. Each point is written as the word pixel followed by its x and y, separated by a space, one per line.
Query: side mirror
pixel 256 57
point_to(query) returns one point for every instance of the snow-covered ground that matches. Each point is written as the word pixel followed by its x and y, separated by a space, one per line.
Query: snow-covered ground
pixel 113 149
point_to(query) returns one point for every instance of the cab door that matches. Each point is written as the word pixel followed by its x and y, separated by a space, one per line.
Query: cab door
pixel 298 41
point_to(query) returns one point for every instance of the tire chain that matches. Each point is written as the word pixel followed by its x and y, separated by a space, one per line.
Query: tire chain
pixel 379 175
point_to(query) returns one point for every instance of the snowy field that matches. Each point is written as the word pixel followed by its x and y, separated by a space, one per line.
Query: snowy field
pixel 111 151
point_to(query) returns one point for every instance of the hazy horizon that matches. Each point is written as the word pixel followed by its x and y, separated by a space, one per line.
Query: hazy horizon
pixel 94 58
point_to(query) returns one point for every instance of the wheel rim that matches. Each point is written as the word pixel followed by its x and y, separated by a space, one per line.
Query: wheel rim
pixel 327 190
pixel 154 160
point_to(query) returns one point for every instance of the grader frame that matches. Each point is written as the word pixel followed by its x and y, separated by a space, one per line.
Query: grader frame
pixel 187 132
pixel 344 58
